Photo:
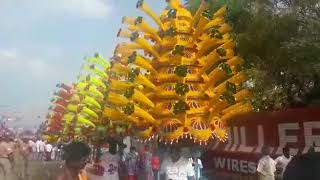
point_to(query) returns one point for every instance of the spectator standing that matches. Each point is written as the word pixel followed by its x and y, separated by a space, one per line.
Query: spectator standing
pixel 303 167
pixel 26 156
pixel 54 152
pixel 155 163
pixel 76 156
pixel 123 170
pixel 132 163
pixel 20 156
pixel 145 164
pixel 59 152
pixel 40 149
pixel 110 162
pixel 282 162
pixel 6 158
pixel 197 165
pixel 176 167
pixel 48 149
pixel 266 165
pixel 33 149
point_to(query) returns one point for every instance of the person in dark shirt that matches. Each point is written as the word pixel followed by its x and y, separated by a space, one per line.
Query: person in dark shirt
pixel 76 156
pixel 304 167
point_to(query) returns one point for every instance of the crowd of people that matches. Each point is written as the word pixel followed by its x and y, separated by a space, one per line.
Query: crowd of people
pixel 287 167
pixel 112 163
pixel 15 155
pixel 42 150
pixel 133 164
pixel 115 162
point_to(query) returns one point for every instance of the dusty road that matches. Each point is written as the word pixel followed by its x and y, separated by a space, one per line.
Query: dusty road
pixel 45 170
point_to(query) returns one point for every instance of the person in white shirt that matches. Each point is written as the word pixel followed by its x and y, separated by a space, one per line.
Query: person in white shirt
pixel 48 151
pixel 176 167
pixel 266 166
pixel 197 165
pixel 54 152
pixel 33 149
pixel 283 161
pixel 40 149
pixel 110 162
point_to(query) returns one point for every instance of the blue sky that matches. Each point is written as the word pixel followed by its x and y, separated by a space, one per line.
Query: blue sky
pixel 43 42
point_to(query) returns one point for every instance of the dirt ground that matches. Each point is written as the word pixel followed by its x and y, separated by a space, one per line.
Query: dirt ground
pixel 45 170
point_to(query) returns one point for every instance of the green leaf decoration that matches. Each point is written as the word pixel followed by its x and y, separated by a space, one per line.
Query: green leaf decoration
pixel 88 77
pixel 138 20
pixel 134 36
pixel 218 35
pixel 106 83
pixel 215 33
pixel 172 31
pixel 226 68
pixel 92 66
pixel 129 109
pixel 181 89
pixel 133 74
pixel 139 3
pixel 132 57
pixel 114 75
pixel 178 50
pixel 221 51
pixel 228 97
pixel 215 65
pixel 172 13
pixel 180 107
pixel 181 71
pixel 129 92
pixel 96 55
pixel 207 14
pixel 231 87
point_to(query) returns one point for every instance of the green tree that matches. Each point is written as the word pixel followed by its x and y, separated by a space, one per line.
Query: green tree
pixel 280 41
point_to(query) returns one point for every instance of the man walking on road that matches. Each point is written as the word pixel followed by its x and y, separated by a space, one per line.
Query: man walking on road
pixel 6 158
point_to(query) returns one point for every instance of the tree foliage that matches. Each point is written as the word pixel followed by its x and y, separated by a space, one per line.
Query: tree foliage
pixel 280 41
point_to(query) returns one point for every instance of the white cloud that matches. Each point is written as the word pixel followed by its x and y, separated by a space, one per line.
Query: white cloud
pixel 8 53
pixel 80 8
pixel 14 62
pixel 20 15
pixel 83 8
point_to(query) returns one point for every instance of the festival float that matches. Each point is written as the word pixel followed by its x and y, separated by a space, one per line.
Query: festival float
pixel 185 71
pixel 181 79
